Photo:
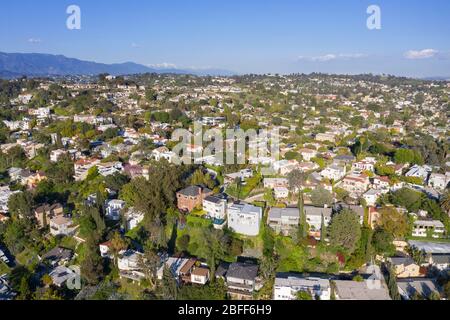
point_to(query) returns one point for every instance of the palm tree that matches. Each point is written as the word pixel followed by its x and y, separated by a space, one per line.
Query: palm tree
pixel 445 202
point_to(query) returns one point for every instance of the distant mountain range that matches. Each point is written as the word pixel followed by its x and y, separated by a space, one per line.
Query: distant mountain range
pixel 13 65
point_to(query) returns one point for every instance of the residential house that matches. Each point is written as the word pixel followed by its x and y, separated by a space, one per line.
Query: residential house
pixel 334 172
pixel 129 265
pixel 46 212
pixel 55 155
pixel 358 210
pixel 58 256
pixel 241 280
pixel 62 226
pixel 272 183
pixel 326 137
pixel 287 286
pixel 318 219
pixel 367 164
pixel 192 197
pixel 5 194
pixel 244 218
pixel 114 209
pixel 440 261
pixel 281 193
pixel 355 184
pixel 307 154
pixel 371 196
pixel 365 290
pixel 133 218
pixel 109 168
pixel 421 172
pixel 405 267
pixel 438 181
pixel 428 228
pixel 61 274
pixel 216 209
pixel 409 288
pixel 381 183
pixel 284 220
pixel 82 167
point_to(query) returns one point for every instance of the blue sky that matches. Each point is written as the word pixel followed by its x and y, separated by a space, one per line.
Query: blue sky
pixel 244 36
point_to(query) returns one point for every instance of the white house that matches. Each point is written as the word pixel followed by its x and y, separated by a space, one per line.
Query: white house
pixel 334 172
pixel 308 154
pixel 114 208
pixel 371 196
pixel 244 219
pixel 439 181
pixel 272 183
pixel 425 228
pixel 317 219
pixel 288 286
pixel 133 218
pixel 281 192
pixel 216 209
pixel 109 168
pixel 62 226
pixel 56 154
pixel 417 171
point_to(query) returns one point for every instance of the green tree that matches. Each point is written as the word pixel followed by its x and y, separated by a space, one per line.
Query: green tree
pixel 345 230
pixel 321 197
pixel 393 222
pixel 92 263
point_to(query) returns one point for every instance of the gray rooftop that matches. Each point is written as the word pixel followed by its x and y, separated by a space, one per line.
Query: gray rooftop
pixel 353 290
pixel 243 271
pixel 315 211
pixel 277 213
pixel 431 247
pixel 424 287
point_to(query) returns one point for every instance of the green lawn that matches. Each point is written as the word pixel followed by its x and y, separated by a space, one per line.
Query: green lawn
pixel 4 269
pixel 291 255
pixel 250 185
pixel 68 243
pixel 27 257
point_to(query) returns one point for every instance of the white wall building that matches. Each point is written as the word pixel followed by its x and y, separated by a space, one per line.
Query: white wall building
pixel 244 219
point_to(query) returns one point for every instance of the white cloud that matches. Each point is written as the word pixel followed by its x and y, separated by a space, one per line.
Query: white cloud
pixel 421 54
pixel 164 65
pixel 135 45
pixel 332 56
pixel 34 40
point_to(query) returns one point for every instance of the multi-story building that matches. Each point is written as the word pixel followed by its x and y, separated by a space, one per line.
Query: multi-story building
pixel 192 197
pixel 287 287
pixel 284 220
pixel 244 219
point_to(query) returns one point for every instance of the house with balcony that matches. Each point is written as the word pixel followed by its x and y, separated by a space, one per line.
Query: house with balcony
pixel 428 228
pixel 284 220
pixel 61 225
pixel 287 287
pixel 114 209
pixel 216 209
pixel 244 219
pixel 241 280
pixel 318 220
